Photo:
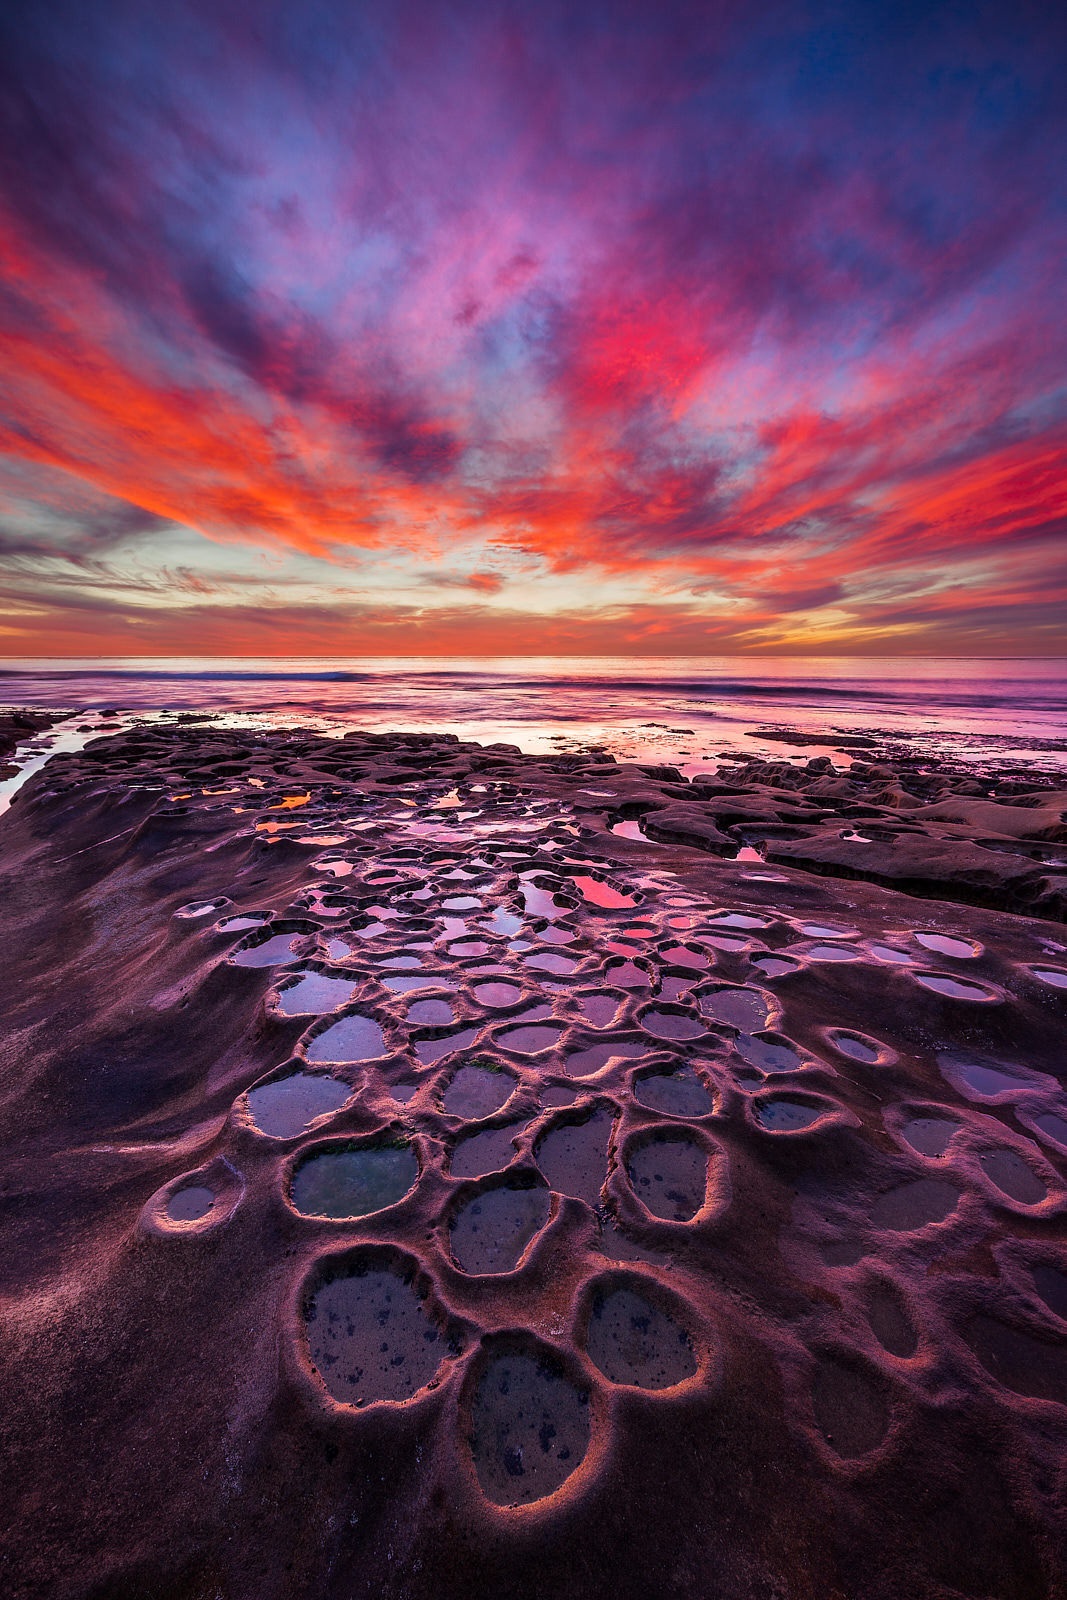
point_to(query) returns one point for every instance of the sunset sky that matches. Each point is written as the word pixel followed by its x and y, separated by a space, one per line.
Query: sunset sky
pixel 532 327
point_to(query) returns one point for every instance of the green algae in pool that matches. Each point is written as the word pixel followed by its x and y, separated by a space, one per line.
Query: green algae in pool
pixel 371 1339
pixel 529 1429
pixel 289 1105
pixel 634 1343
pixel 490 1233
pixel 353 1182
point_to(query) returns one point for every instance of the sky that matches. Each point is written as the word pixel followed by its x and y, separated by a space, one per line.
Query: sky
pixel 530 327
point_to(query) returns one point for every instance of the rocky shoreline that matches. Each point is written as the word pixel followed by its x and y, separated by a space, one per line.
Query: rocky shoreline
pixel 436 1171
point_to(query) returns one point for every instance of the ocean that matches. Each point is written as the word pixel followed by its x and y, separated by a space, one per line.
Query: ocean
pixel 994 714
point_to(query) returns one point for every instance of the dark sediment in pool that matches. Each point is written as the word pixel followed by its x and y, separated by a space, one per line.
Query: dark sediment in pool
pixel 415 1186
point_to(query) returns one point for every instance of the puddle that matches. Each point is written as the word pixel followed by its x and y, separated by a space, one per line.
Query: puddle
pixel 477 1091
pixel 354 1182
pixel 770 1055
pixel 599 1009
pixel 403 1092
pixel 354 1038
pixel 1028 1366
pixel 955 988
pixel 890 1322
pixel 541 903
pixel 1053 1127
pixel 786 1116
pixel 684 955
pixel 486 1152
pixel 632 1342
pixel 503 922
pixel 978 1076
pixel 887 952
pixel 737 1008
pixel 497 994
pixel 201 908
pixel 832 952
pixel 490 1233
pixel 529 1041
pixel 370 1338
pixel 857 1049
pixel 244 919
pixel 287 1106
pixel 723 943
pixel 596 893
pixel 628 830
pixel 820 930
pixel 737 919
pixel 1013 1176
pixel 678 1094
pixel 314 992
pixel 775 966
pixel 850 1411
pixel 462 902
pixel 961 949
pixel 430 1013
pixel 431 1050
pixel 573 1156
pixel 530 1429
pixel 913 1205
pixel 929 1135
pixel 277 951
pixel 583 1063
pixel 546 961
pixel 469 947
pixel 671 1025
pixel 625 975
pixel 669 1176
pixel 1053 975
pixel 189 1205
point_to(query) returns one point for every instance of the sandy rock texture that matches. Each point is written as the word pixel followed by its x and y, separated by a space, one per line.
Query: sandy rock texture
pixel 413 1187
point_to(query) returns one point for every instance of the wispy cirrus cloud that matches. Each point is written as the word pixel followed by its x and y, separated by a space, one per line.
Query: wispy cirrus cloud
pixel 746 310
